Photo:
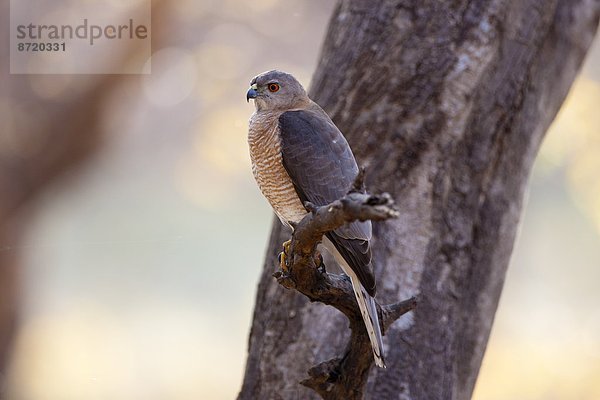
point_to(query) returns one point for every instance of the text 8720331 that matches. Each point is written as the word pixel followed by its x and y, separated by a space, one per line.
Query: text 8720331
pixel 35 46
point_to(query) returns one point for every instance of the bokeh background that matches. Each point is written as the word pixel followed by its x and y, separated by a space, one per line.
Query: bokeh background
pixel 139 267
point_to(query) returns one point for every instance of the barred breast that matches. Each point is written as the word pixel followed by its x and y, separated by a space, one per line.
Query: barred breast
pixel 267 167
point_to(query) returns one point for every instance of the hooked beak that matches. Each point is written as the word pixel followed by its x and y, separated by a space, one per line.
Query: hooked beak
pixel 252 93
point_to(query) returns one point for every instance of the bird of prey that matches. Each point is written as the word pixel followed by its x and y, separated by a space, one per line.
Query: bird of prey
pixel 299 155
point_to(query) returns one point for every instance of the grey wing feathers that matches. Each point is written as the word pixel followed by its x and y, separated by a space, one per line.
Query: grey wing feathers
pixel 322 167
pixel 357 254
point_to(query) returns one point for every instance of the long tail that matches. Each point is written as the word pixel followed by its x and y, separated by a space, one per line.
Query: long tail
pixel 366 303
pixel 368 309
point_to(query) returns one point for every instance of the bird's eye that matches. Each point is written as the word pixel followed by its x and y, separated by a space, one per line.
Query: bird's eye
pixel 273 87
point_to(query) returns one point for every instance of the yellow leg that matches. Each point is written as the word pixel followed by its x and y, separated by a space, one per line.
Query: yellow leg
pixel 283 255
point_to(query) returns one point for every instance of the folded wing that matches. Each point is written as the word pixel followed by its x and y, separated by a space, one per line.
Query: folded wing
pixel 322 167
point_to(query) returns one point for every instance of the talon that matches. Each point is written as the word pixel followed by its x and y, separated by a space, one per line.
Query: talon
pixel 286 246
pixel 283 256
pixel 282 262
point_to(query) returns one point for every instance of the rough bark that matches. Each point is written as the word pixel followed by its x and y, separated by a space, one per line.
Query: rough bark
pixel 446 103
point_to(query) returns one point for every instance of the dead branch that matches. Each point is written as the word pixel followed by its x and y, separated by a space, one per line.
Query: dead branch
pixel 343 377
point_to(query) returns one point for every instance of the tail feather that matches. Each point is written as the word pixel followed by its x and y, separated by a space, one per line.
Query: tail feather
pixel 378 340
pixel 368 309
pixel 366 303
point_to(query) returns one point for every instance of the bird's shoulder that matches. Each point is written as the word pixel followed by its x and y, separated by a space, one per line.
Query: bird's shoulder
pixel 311 110
pixel 312 120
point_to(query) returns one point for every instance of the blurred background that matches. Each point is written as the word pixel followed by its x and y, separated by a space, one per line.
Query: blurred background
pixel 138 268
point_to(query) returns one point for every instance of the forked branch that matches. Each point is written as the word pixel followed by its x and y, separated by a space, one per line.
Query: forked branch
pixel 343 377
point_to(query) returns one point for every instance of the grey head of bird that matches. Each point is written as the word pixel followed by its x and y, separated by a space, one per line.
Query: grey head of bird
pixel 276 91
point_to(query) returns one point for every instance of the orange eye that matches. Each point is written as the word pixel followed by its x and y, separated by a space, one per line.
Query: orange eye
pixel 273 87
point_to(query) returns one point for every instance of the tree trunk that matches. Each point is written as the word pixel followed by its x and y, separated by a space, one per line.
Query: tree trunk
pixel 445 104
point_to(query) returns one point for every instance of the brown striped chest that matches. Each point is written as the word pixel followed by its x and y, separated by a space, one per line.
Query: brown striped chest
pixel 267 166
